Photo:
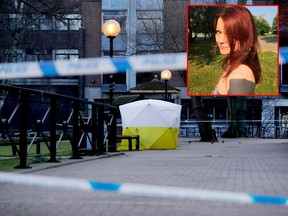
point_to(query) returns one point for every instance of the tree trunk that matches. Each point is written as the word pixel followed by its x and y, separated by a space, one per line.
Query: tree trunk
pixel 237 112
pixel 206 132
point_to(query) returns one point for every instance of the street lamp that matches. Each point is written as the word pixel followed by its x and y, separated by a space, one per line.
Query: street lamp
pixel 111 30
pixel 166 76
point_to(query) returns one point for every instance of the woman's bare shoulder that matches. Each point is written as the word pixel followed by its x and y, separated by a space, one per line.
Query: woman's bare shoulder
pixel 242 72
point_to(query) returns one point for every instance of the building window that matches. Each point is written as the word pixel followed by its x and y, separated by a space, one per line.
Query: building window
pixel 63 54
pixel 6 55
pixel 69 22
pixel 44 22
pixel 147 43
pixel 32 22
pixel 37 55
pixel 106 53
pixel 44 55
pixel 40 22
pixel 11 21
pixel 149 22
pixel 149 31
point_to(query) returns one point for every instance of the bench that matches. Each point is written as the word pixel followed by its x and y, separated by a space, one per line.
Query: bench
pixel 130 138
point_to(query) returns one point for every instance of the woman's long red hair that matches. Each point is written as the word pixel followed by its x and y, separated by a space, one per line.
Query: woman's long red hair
pixel 240 28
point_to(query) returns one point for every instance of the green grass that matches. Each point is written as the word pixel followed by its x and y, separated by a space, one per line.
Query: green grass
pixel 267 36
pixel 269 82
pixel 64 148
pixel 8 161
pixel 204 69
pixel 6 165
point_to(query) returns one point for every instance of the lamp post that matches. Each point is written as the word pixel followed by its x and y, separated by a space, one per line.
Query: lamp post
pixel 111 30
pixel 166 76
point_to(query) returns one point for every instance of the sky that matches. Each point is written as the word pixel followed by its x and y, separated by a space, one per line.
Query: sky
pixel 267 12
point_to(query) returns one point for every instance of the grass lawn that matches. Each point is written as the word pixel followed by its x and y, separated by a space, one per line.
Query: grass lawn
pixel 8 161
pixel 204 69
pixel 267 36
pixel 8 164
pixel 63 148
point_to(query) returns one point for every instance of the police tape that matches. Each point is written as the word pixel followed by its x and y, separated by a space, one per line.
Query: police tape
pixel 141 189
pixel 91 66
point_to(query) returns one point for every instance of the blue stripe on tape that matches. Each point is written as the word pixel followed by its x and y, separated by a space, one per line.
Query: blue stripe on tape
pixel 105 186
pixel 48 69
pixel 121 64
pixel 269 199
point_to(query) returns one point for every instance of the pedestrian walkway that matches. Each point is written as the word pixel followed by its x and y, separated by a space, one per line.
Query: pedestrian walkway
pixel 258 166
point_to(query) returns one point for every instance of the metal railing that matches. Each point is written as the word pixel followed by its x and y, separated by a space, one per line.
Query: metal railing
pixel 254 128
pixel 28 116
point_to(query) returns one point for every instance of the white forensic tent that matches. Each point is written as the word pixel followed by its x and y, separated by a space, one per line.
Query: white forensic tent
pixel 156 121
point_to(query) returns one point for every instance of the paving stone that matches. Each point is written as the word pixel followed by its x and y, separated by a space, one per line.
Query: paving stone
pixel 258 166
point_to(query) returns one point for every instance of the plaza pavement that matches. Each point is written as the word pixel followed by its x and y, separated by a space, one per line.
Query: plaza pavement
pixel 246 165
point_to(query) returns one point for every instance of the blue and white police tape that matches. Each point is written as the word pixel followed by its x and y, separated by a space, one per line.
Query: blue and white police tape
pixel 90 66
pixel 141 189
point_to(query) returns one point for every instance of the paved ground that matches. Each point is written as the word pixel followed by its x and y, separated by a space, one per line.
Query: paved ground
pixel 269 44
pixel 244 165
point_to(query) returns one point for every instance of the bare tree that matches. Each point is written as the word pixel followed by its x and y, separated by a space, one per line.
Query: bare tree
pixel 195 22
pixel 174 21
pixel 18 16
pixel 161 30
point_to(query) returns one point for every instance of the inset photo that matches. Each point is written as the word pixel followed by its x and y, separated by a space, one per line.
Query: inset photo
pixel 232 50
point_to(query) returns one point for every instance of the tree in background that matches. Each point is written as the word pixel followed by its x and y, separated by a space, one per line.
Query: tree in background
pixel 195 22
pixel 201 20
pixel 262 25
pixel 19 16
pixel 275 23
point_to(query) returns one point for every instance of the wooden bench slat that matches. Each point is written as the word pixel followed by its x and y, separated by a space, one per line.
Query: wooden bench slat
pixel 130 138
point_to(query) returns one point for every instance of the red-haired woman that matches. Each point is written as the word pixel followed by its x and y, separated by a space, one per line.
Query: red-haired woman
pixel 236 37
